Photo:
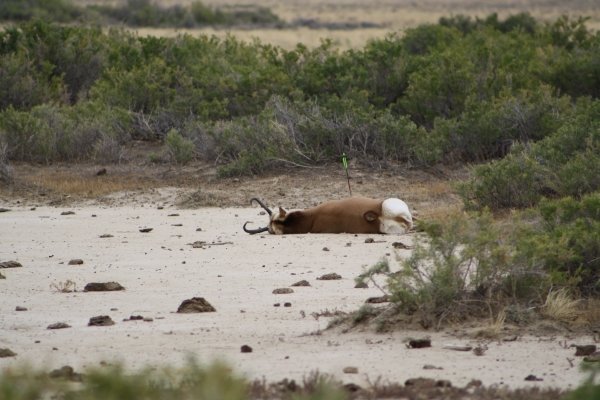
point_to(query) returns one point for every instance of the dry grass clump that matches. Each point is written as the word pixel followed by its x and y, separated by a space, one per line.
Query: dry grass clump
pixel 561 306
pixel 67 286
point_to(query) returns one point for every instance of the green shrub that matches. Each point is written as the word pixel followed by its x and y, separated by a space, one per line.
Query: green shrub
pixel 568 244
pixel 180 149
pixel 564 163
pixel 469 265
pixel 23 86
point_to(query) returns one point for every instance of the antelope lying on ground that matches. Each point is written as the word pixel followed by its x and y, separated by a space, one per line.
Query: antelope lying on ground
pixel 351 215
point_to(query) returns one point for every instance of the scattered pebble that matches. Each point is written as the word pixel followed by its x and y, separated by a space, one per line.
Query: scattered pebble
pixel 4 210
pixel 400 245
pixel 533 378
pixel 67 213
pixel 134 318
pixel 429 366
pixel 369 240
pixel 146 230
pixel 58 325
pixel 106 235
pixel 350 370
pixel 7 353
pixel 103 287
pixel 418 343
pixel 246 349
pixel 10 264
pixel 301 283
pixel 287 304
pixel 195 305
pixel 283 291
pixel 276 305
pixel 20 308
pixel 329 277
pixel 76 261
pixel 361 285
pixel 325 248
pixel 173 215
pixel 101 320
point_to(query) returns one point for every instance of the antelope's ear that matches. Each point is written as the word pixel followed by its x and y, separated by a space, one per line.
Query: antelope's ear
pixel 370 216
pixel 282 212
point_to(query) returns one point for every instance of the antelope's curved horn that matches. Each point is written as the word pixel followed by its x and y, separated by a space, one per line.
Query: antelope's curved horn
pixel 253 231
pixel 261 204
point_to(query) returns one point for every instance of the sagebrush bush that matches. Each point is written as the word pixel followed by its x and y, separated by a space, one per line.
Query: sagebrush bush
pixel 454 92
pixel 180 149
pixel 565 163
pixel 469 265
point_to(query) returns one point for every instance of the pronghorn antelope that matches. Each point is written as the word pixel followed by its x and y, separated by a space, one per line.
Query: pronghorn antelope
pixel 351 215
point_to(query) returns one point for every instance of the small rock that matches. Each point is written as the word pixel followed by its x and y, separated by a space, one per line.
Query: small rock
pixel 58 325
pixel 146 230
pixel 106 235
pixel 148 319
pixel 301 283
pixel 7 353
pixel 511 338
pixel 195 305
pixel 378 299
pixel 67 213
pixel 101 172
pixel 173 215
pixel 325 248
pixel 101 320
pixel 533 378
pixel 103 287
pixel 198 229
pixel 350 370
pixel 429 366
pixel 584 350
pixel 287 304
pixel 283 291
pixel 135 318
pixel 369 240
pixel 4 210
pixel 400 245
pixel 329 277
pixel 361 285
pixel 76 261
pixel 276 305
pixel 67 372
pixel 19 308
pixel 419 343
pixel 246 349
pixel 10 264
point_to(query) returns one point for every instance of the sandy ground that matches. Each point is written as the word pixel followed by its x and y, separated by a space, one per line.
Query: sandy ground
pixel 160 269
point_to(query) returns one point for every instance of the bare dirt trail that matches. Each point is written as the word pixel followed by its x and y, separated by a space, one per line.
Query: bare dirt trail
pixel 237 275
